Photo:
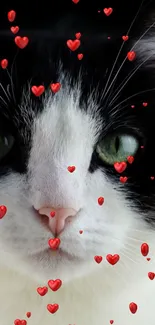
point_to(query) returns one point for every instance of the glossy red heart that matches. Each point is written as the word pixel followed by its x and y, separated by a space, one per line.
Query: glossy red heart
pixel 80 56
pixel 75 1
pixel 38 90
pixel 144 249
pixel 130 159
pixel 55 284
pixel 100 200
pixel 14 29
pixel 133 307
pixel 55 87
pixel 120 166
pixel 73 45
pixel 145 104
pixel 28 314
pixel 78 35
pixel 21 42
pixel 131 55
pixel 71 169
pixel 52 214
pixel 123 179
pixel 52 308
pixel 42 291
pixel 98 259
pixel 125 38
pixel 4 63
pixel 112 259
pixel 3 211
pixel 54 243
pixel 108 11
pixel 11 15
pixel 20 322
pixel 151 275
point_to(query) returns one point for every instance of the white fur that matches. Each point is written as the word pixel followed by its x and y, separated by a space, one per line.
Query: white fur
pixel 92 293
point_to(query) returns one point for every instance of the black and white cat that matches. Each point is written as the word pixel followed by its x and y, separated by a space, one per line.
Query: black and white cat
pixel 103 113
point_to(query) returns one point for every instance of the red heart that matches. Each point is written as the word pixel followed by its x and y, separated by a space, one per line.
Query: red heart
pixel 75 1
pixel 111 321
pixel 80 232
pixel 4 63
pixel 100 200
pixel 120 166
pixel 145 104
pixel 28 314
pixel 3 211
pixel 132 106
pixel 112 259
pixel 80 56
pixel 54 243
pixel 52 214
pixel 11 15
pixel 71 169
pixel 131 55
pixel 123 179
pixel 20 322
pixel 98 259
pixel 133 307
pixel 78 35
pixel 21 42
pixel 14 29
pixel 152 178
pixel 42 291
pixel 73 45
pixel 125 38
pixel 55 87
pixel 148 259
pixel 38 90
pixel 108 11
pixel 151 275
pixel 144 249
pixel 55 284
pixel 130 159
pixel 52 308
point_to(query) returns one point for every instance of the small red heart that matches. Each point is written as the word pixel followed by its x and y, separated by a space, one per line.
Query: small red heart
pixel 4 63
pixel 80 232
pixel 20 322
pixel 108 11
pixel 28 314
pixel 54 243
pixel 38 90
pixel 42 291
pixel 145 104
pixel 109 37
pixel 120 166
pixel 148 259
pixel 123 179
pixel 3 211
pixel 21 42
pixel 55 284
pixel 52 308
pixel 112 259
pixel 71 169
pixel 14 29
pixel 130 159
pixel 151 275
pixel 52 214
pixel 125 38
pixel 131 55
pixel 73 45
pixel 111 321
pixel 144 249
pixel 98 259
pixel 132 106
pixel 11 15
pixel 78 35
pixel 75 1
pixel 152 178
pixel 133 307
pixel 80 56
pixel 100 200
pixel 55 87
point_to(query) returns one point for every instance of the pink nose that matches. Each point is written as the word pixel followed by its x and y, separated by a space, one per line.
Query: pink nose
pixel 57 223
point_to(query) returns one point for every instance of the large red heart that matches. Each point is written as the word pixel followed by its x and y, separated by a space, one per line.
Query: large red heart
pixel 73 45
pixel 112 259
pixel 21 42
pixel 55 284
pixel 108 11
pixel 38 90
pixel 120 166
pixel 54 243
pixel 20 322
pixel 52 308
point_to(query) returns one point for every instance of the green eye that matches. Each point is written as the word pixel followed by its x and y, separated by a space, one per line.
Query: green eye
pixel 6 143
pixel 117 148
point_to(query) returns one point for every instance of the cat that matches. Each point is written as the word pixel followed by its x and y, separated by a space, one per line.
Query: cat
pixel 83 152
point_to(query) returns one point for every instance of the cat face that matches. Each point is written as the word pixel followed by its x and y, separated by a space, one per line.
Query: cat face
pixel 78 126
